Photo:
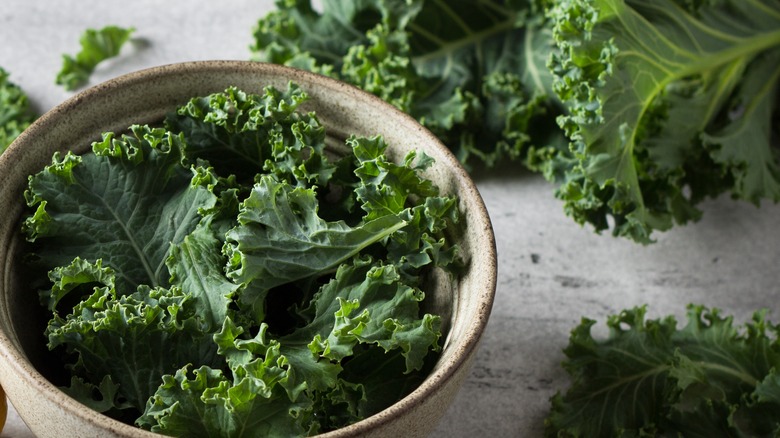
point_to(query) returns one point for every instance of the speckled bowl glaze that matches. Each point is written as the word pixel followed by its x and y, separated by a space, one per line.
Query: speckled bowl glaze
pixel 144 97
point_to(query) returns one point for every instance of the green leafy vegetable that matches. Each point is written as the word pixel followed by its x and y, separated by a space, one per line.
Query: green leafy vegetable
pixel 15 112
pixel 280 239
pixel 254 403
pixel 221 275
pixel 97 45
pixel 132 339
pixel 669 102
pixel 648 378
pixel 660 103
pixel 473 72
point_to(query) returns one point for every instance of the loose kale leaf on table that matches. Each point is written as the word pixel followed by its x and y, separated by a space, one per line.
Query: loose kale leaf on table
pixel 97 45
pixel 636 110
pixel 473 72
pixel 649 378
pixel 15 112
pixel 668 103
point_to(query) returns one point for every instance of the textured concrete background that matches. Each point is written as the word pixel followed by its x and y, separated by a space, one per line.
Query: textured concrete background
pixel 551 271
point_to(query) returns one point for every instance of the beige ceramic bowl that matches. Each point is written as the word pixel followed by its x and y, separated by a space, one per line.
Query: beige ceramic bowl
pixel 144 97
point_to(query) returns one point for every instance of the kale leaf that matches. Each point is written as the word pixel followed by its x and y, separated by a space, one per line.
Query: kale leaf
pixel 648 378
pixel 97 45
pixel 131 199
pixel 196 287
pixel 15 112
pixel 636 110
pixel 474 73
pixel 669 102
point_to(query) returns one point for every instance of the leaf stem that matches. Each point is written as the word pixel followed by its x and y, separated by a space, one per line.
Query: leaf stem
pixel 447 48
pixel 740 375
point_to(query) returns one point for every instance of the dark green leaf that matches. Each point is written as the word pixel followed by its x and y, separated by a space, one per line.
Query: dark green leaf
pixel 134 338
pixel 15 112
pixel 131 199
pixel 650 378
pixel 208 404
pixel 472 72
pixel 97 45
pixel 668 104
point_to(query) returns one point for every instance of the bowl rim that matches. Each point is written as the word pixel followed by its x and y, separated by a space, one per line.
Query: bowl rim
pixel 23 369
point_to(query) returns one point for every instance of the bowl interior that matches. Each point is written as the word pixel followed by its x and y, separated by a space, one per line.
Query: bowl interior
pixel 145 97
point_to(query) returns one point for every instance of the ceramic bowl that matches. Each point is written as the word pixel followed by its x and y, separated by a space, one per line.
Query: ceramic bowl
pixel 144 97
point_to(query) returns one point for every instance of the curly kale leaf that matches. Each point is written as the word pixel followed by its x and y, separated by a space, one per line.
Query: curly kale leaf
pixel 131 199
pixel 473 72
pixel 195 282
pixel 196 265
pixel 86 392
pixel 15 112
pixel 97 45
pixel 371 305
pixel 132 339
pixel 669 102
pixel 280 239
pixel 387 188
pixel 294 384
pixel 207 402
pixel 647 378
pixel 244 134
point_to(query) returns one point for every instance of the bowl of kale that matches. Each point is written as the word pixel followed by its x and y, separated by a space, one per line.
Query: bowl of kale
pixel 226 248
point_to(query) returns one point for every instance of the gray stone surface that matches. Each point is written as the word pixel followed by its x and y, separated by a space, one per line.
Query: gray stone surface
pixel 551 271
